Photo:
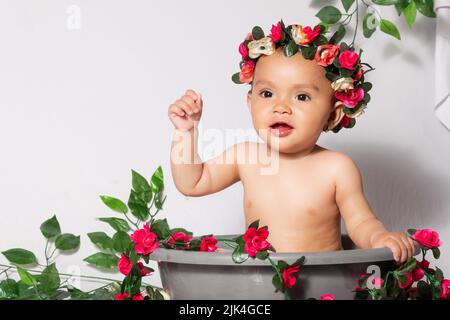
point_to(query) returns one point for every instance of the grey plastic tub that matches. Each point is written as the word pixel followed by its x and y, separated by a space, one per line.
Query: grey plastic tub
pixel 214 275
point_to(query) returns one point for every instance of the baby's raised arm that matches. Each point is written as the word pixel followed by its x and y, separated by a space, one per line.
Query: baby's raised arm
pixel 362 225
pixel 192 177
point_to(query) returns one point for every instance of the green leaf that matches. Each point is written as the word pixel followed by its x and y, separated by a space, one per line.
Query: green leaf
pixel 49 280
pixel 436 253
pixel 367 86
pixel 161 228
pixel 139 183
pixel 370 25
pixel 410 13
pixel 347 4
pixel 426 7
pixel 257 33
pixel 116 223
pixel 389 28
pixel 67 241
pixel 254 224
pixel 338 35
pixel 121 241
pixel 114 204
pixel 26 277
pixel 290 49
pixel 277 283
pixel 401 5
pixel 157 180
pixel 236 78
pixel 20 256
pixel 239 255
pixel 9 289
pixel 262 255
pixel 411 232
pixel 137 206
pixel 50 228
pixel 101 240
pixel 385 2
pixel 308 52
pixel 408 267
pixel 103 260
pixel 329 14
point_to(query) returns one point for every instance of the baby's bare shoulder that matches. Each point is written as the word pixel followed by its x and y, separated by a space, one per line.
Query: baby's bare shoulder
pixel 337 161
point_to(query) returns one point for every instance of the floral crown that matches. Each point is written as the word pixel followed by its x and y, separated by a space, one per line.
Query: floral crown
pixel 342 64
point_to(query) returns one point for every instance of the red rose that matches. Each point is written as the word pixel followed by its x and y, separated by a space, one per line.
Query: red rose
pixel 256 240
pixel 246 75
pixel 428 238
pixel 311 34
pixel 424 264
pixel 276 32
pixel 137 297
pixel 327 297
pixel 126 296
pixel 208 244
pixel 348 59
pixel 125 266
pixel 325 54
pixel 345 122
pixel 119 296
pixel 179 237
pixel 408 281
pixel 288 275
pixel 445 289
pixel 145 240
pixel 377 282
pixel 350 98
pixel 243 50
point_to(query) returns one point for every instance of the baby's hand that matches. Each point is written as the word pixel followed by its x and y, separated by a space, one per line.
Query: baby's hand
pixel 185 113
pixel 400 244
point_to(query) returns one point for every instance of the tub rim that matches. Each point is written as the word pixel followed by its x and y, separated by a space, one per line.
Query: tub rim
pixel 346 256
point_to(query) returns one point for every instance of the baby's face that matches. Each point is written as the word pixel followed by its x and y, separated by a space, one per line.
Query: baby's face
pixel 295 91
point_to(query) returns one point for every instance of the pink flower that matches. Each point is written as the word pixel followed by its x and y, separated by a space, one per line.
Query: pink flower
pixel 445 289
pixel 276 32
pixel 327 297
pixel 304 35
pixel 179 237
pixel 325 54
pixel 256 240
pixel 208 244
pixel 428 238
pixel 126 296
pixel 137 297
pixel 125 266
pixel 377 282
pixel 145 241
pixel 350 98
pixel 348 59
pixel 288 275
pixel 119 296
pixel 243 50
pixel 246 75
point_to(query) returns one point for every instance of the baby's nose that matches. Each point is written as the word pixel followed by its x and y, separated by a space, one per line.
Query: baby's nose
pixel 282 108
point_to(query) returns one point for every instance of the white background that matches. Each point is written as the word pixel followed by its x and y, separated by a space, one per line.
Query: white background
pixel 81 108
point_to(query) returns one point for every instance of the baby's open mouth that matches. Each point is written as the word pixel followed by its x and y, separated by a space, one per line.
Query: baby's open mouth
pixel 281 129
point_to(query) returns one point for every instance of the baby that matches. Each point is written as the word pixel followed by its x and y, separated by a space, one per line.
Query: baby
pixel 291 103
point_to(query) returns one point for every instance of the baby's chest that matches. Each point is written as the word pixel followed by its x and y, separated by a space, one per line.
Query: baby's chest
pixel 306 191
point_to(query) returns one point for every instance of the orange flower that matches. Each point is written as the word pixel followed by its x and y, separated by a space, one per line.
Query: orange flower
pixel 325 54
pixel 246 75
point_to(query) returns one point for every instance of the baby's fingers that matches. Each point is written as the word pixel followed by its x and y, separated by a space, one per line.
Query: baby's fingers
pixel 175 110
pixel 186 106
pixel 394 246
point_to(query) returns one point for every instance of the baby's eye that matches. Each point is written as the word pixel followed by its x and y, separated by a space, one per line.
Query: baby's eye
pixel 266 94
pixel 303 97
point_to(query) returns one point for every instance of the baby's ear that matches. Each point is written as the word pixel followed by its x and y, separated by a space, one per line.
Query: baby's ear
pixel 336 115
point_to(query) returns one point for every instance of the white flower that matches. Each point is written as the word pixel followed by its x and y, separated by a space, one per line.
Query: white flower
pixel 262 46
pixel 358 113
pixel 343 84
